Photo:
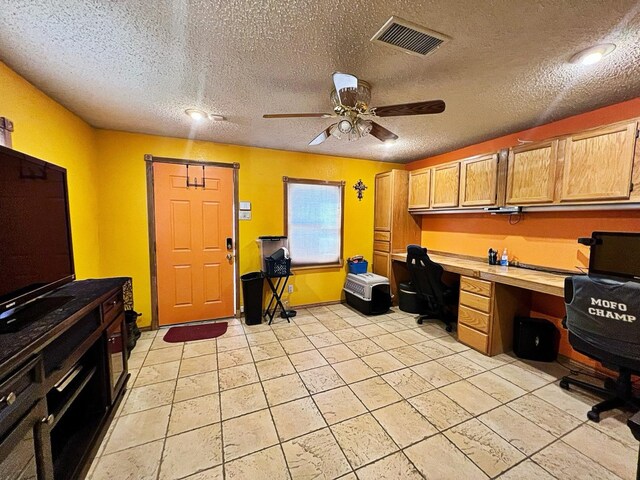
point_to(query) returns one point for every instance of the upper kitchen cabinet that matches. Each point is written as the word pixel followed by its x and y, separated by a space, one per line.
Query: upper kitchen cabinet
pixel 479 181
pixel 419 189
pixel 598 164
pixel 445 185
pixel 531 172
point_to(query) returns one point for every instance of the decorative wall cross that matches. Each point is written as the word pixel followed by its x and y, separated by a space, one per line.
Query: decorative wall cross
pixel 360 187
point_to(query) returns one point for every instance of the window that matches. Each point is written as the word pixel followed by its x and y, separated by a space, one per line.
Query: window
pixel 314 221
pixel 6 127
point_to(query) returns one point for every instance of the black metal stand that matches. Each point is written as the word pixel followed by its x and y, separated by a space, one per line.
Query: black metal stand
pixel 276 298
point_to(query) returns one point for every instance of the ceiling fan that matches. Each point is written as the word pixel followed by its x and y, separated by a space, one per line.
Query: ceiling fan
pixel 350 98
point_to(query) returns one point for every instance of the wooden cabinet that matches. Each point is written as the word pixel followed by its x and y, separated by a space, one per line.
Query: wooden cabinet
pixel 419 189
pixel 25 452
pixel 479 181
pixel 445 185
pixel 56 381
pixel 383 196
pixel 394 227
pixel 116 354
pixel 598 164
pixel 531 173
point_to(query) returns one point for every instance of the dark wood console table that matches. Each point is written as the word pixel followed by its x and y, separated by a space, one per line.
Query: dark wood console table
pixel 62 377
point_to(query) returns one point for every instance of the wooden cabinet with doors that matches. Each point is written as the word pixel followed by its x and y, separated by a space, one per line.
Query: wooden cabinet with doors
pixel 394 227
pixel 598 164
pixel 531 173
pixel 479 181
pixel 445 185
pixel 419 189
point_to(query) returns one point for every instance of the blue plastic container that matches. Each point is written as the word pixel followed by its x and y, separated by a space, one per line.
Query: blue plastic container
pixel 360 267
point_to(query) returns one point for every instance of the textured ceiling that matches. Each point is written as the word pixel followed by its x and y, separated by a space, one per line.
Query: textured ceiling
pixel 136 66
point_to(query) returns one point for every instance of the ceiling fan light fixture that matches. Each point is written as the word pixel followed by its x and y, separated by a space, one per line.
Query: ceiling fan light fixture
pixel 592 55
pixel 364 127
pixel 345 126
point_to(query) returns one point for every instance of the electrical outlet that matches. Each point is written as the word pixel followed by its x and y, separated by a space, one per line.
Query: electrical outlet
pixel 290 288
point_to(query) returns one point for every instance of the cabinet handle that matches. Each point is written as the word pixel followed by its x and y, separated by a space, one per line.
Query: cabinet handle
pixel 9 399
pixel 49 419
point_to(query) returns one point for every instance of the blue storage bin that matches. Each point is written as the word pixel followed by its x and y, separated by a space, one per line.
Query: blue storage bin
pixel 360 267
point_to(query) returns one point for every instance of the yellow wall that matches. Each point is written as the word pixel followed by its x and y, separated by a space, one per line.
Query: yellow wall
pixel 123 206
pixel 47 130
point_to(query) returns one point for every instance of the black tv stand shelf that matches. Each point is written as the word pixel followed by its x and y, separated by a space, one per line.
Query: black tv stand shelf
pixel 65 379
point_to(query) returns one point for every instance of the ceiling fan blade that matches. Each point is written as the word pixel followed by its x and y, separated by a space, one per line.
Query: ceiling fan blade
pixel 298 115
pixel 382 133
pixel 417 108
pixel 326 133
pixel 344 81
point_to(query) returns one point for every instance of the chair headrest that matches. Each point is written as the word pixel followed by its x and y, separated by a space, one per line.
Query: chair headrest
pixel 416 250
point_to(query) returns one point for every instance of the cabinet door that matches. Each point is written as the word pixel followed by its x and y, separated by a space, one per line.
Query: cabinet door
pixel 479 181
pixel 531 172
pixel 419 188
pixel 382 213
pixel 444 185
pixel 598 164
pixel 381 263
pixel 117 354
pixel 25 452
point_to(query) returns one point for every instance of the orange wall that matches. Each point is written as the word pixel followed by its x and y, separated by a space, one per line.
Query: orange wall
pixel 547 239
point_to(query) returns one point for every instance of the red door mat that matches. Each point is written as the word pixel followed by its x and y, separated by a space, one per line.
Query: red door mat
pixel 189 333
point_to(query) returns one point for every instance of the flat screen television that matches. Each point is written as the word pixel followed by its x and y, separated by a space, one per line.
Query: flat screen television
pixel 615 255
pixel 36 255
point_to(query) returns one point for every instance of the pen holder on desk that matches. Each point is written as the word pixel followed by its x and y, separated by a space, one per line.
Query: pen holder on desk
pixel 277 268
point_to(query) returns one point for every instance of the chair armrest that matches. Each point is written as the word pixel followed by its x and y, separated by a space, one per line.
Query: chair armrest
pixel 634 425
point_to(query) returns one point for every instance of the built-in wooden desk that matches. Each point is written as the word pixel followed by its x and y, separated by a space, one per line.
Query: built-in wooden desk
pixel 550 283
pixel 490 297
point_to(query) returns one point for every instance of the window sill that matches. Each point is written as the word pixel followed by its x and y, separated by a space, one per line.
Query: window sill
pixel 307 268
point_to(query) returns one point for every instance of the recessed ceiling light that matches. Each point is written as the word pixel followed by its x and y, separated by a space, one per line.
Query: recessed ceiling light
pixel 196 115
pixel 593 54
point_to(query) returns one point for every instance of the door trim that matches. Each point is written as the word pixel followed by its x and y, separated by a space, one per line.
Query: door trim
pixel 149 161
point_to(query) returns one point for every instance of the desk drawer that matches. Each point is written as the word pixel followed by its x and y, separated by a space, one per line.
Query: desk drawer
pixel 473 318
pixel 19 392
pixel 380 235
pixel 112 307
pixel 473 338
pixel 473 285
pixel 382 246
pixel 476 302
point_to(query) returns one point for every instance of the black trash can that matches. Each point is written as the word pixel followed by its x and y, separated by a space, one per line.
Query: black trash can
pixel 252 293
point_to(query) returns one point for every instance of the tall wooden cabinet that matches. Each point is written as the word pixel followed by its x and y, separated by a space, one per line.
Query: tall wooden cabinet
pixel 393 226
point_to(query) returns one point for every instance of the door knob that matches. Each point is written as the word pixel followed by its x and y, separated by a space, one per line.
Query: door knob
pixel 229 256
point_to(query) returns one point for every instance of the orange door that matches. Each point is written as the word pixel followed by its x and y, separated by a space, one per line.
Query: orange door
pixel 195 272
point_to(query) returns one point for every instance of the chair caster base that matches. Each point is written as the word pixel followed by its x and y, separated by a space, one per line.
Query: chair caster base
pixel 564 384
pixel 449 328
pixel 419 321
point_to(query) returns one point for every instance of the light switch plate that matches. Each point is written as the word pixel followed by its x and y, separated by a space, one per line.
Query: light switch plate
pixel 245 205
pixel 244 214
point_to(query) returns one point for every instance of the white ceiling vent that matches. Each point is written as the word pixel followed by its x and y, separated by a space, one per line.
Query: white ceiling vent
pixel 409 37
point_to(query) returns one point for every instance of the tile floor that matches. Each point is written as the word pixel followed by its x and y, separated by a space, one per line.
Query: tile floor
pixel 335 394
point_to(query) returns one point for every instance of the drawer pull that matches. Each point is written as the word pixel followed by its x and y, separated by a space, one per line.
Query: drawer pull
pixel 49 419
pixel 9 399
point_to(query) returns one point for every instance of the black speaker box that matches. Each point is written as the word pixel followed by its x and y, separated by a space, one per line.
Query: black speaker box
pixel 535 339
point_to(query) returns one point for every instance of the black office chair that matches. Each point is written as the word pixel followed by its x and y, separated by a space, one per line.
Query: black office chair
pixel 602 319
pixel 426 278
